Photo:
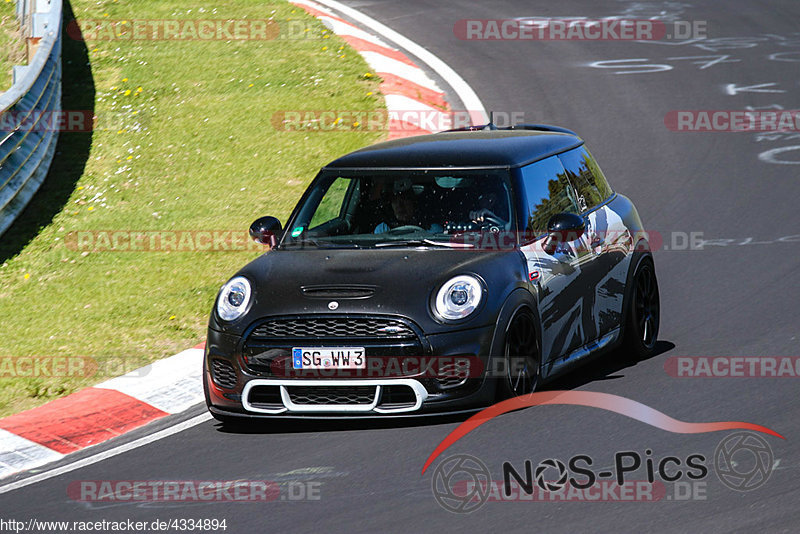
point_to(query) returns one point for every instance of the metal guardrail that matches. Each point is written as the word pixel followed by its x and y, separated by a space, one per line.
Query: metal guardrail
pixel 27 143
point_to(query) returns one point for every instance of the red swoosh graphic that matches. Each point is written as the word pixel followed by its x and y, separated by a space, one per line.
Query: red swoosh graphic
pixel 604 401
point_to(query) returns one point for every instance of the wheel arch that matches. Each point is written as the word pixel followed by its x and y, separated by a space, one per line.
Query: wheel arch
pixel 641 252
pixel 517 299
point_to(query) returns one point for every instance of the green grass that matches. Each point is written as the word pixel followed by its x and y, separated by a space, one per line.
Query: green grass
pixel 12 48
pixel 195 150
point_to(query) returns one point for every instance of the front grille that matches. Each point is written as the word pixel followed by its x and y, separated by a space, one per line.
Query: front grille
pixel 267 349
pixel 333 327
pixel 315 395
pixel 397 396
pixel 268 397
pixel 223 373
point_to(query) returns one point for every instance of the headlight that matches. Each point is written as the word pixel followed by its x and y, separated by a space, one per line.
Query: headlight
pixel 233 299
pixel 458 298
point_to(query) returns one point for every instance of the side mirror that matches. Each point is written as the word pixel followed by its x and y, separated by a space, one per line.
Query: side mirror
pixel 562 228
pixel 266 230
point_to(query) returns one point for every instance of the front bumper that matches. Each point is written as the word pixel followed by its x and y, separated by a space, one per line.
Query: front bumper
pixel 261 392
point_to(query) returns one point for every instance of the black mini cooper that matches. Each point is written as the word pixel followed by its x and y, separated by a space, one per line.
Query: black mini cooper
pixel 433 273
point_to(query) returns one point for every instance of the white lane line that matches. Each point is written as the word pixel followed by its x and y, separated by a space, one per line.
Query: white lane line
pixel 99 457
pixel 465 93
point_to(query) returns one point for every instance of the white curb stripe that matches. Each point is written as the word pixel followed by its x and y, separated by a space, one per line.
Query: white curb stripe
pixel 315 6
pixel 172 385
pixel 18 454
pixel 342 28
pixel 380 63
pixel 465 93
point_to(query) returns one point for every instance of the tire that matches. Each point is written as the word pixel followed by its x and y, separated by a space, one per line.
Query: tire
pixel 521 359
pixel 644 313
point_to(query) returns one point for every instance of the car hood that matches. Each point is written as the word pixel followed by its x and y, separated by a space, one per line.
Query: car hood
pixel 391 281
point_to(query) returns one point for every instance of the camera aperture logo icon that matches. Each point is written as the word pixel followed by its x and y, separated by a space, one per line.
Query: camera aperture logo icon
pixel 555 484
pixel 743 461
pixel 461 471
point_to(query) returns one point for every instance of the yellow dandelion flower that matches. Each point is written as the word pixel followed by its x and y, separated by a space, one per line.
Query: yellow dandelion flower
pixel 27 275
pixel 129 157
pixel 251 85
pixel 324 47
pixel 356 124
pixel 369 94
pixel 171 317
pixel 90 208
pixel 127 92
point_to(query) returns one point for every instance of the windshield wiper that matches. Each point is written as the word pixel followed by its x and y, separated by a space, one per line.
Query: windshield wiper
pixel 313 243
pixel 423 242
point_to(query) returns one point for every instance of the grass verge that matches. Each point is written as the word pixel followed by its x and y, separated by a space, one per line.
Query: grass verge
pixel 12 47
pixel 184 141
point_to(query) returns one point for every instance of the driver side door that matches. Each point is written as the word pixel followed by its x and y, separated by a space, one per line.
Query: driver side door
pixel 559 276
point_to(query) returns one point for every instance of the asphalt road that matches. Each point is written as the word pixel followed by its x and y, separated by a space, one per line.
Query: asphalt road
pixel 736 297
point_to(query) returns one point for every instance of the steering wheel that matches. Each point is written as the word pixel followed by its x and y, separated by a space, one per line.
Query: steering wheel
pixel 489 220
pixel 405 229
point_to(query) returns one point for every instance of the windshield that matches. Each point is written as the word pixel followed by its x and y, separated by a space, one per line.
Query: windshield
pixel 397 208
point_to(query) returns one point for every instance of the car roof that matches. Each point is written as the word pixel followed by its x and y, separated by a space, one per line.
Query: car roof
pixel 461 149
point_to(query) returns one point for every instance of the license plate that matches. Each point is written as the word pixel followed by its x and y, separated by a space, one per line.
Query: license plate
pixel 328 358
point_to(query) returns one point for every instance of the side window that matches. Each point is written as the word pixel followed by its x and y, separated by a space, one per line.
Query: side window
pixel 547 192
pixel 330 207
pixel 586 176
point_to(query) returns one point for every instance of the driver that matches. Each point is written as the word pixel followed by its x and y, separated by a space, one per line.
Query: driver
pixel 488 207
pixel 404 207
